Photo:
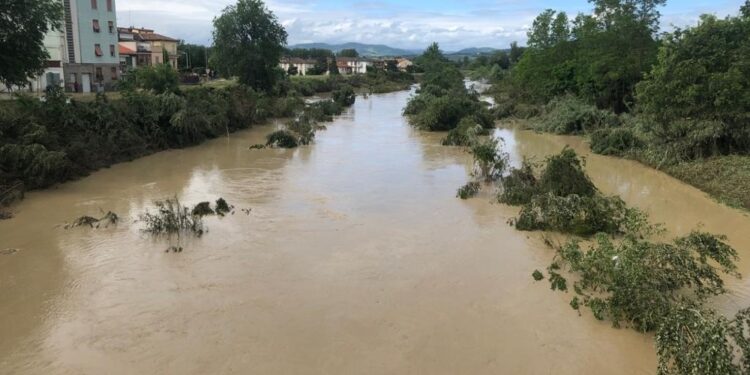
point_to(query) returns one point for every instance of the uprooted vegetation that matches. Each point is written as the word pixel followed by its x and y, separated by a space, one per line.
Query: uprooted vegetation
pixel 172 218
pixel 663 287
pixel 301 129
pixel 107 219
pixel 563 198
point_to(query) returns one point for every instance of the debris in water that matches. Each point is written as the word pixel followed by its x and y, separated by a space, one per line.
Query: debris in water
pixel 222 207
pixel 110 218
pixel 258 147
pixel 8 251
pixel 5 215
pixel 174 249
pixel 203 209
pixel 246 211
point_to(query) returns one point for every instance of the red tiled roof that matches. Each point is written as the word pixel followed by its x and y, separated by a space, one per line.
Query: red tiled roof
pixel 126 51
pixel 155 36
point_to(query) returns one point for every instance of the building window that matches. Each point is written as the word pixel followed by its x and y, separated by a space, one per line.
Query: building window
pixel 93 4
pixel 96 26
pixel 114 73
pixel 98 50
pixel 112 50
pixel 99 75
pixel 109 5
pixel 111 27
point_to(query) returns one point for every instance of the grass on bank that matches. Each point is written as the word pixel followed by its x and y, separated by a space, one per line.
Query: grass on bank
pixel 726 178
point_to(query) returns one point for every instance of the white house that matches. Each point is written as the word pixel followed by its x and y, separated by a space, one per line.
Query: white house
pixel 302 65
pixel 352 65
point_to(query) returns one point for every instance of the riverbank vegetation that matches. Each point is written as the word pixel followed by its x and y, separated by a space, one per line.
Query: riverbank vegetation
pixel 628 273
pixel 677 102
pixel 443 101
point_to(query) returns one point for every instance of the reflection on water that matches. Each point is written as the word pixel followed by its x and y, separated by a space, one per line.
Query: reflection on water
pixel 356 258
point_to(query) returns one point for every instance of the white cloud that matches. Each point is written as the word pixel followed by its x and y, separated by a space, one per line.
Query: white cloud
pixel 479 23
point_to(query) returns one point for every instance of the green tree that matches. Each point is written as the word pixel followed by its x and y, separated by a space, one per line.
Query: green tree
pixel 515 52
pixel 350 52
pixel 248 43
pixel 23 25
pixel 698 93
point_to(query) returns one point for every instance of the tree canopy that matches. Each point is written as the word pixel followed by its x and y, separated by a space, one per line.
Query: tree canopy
pixel 248 43
pixel 599 57
pixel 23 26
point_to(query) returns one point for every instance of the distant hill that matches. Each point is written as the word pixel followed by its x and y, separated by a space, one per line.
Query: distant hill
pixel 368 50
pixel 475 51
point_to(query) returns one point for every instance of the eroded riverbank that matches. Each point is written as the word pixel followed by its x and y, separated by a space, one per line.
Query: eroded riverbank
pixel 356 258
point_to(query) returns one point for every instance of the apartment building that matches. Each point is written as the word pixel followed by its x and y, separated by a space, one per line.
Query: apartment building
pixel 91 59
pixel 144 47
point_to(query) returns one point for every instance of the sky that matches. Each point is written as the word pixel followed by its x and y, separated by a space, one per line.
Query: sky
pixel 410 24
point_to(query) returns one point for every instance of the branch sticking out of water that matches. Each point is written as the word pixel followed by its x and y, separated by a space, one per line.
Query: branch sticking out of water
pixel 110 218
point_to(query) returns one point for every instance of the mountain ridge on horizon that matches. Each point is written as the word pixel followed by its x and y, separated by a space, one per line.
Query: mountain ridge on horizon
pixel 380 50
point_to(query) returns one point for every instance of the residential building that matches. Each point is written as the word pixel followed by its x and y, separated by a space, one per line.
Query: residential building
pixel 144 47
pixel 404 64
pixel 352 65
pixel 92 56
pixel 302 65
pixel 53 75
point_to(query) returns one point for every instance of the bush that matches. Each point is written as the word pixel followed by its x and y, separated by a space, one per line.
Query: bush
pixel 519 186
pixel 171 218
pixel 159 78
pixel 283 139
pixel 465 134
pixel 469 190
pixel 570 115
pixel 563 175
pixel 345 96
pixel 489 161
pixel 614 141
pixel 578 215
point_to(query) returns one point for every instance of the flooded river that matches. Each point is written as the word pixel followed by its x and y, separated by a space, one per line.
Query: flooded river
pixel 355 259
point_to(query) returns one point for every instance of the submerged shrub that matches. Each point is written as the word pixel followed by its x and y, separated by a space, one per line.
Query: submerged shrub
pixel 575 214
pixel 344 96
pixel 614 141
pixel 489 161
pixel 282 138
pixel 519 186
pixel 222 207
pixel 203 209
pixel 172 217
pixel 466 134
pixel 570 115
pixel 646 281
pixel 563 175
pixel 469 190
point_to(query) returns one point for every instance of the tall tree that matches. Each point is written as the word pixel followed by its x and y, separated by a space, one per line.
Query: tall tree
pixel 248 43
pixel 349 52
pixel 515 52
pixel 23 25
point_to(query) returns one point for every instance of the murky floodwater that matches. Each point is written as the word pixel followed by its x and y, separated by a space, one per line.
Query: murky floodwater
pixel 356 258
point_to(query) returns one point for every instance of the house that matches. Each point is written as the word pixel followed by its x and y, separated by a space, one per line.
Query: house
pixel 54 43
pixel 403 64
pixel 302 66
pixel 148 46
pixel 352 65
pixel 91 58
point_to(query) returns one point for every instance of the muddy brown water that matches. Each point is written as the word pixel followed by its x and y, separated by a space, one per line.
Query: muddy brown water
pixel 355 259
